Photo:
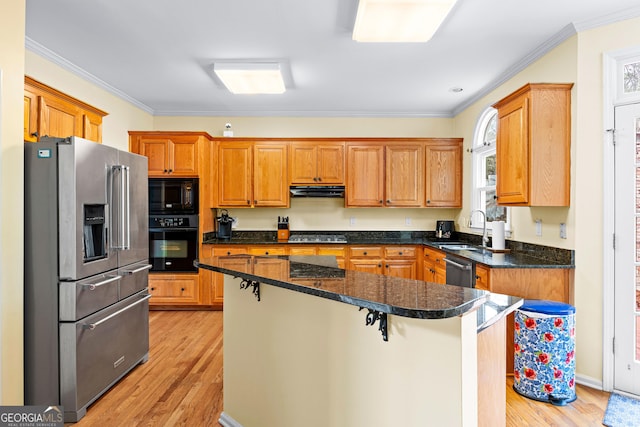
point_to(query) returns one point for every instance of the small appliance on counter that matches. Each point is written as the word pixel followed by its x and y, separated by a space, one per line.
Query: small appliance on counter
pixel 224 225
pixel 445 229
pixel 283 228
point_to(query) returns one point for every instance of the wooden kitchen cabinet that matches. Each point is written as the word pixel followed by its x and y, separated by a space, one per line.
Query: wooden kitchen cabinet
pixel 482 277
pixel 49 112
pixel 433 266
pixel 317 163
pixel 367 259
pixel 252 174
pixel 169 155
pixel 365 176
pixel 401 261
pixel 444 173
pixel 174 289
pixel 404 176
pixel 533 146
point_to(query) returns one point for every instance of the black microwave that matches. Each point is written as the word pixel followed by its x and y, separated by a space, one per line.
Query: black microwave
pixel 175 196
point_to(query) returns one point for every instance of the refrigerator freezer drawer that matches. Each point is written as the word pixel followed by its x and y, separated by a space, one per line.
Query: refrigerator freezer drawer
pixel 135 278
pixel 87 296
pixel 98 350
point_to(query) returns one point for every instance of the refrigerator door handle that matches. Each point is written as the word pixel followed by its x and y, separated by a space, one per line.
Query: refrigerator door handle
pixel 138 270
pixel 126 208
pixel 93 325
pixel 93 286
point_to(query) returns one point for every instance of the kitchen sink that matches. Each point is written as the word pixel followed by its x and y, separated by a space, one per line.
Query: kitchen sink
pixel 459 247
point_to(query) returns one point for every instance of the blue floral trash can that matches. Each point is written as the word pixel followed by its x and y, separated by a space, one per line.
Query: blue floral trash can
pixel 544 356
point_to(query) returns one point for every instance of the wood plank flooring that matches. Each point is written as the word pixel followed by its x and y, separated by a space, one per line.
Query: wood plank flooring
pixel 181 384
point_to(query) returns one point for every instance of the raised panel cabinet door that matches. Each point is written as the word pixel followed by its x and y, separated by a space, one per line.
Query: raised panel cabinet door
pixel 157 151
pixel 92 127
pixel 183 156
pixel 234 174
pixel 365 176
pixel 403 268
pixel 30 116
pixel 59 119
pixel 374 266
pixel 304 160
pixel 482 278
pixel 331 164
pixel 444 174
pixel 174 289
pixel 512 152
pixel 270 176
pixel 404 176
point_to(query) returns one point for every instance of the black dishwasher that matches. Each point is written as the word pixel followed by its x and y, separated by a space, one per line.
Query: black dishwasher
pixel 460 271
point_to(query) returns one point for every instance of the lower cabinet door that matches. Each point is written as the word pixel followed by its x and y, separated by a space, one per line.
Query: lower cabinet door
pixel 174 288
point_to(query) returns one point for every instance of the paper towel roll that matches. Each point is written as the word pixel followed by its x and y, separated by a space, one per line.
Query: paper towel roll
pixel 497 240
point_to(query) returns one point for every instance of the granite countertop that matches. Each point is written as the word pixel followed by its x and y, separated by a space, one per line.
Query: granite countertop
pixel 520 255
pixel 386 294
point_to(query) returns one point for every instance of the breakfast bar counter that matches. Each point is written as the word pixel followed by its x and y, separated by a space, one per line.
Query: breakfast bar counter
pixel 309 344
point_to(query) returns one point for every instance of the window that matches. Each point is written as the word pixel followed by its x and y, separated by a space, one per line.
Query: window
pixel 483 191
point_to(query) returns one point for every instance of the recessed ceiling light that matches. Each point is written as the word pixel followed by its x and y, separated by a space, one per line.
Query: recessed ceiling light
pixel 251 78
pixel 399 20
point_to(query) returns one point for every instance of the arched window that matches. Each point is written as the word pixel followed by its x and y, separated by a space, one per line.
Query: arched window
pixel 483 190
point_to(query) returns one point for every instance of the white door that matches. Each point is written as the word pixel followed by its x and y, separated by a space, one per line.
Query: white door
pixel 627 249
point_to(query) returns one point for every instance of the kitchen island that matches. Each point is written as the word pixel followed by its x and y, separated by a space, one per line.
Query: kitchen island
pixel 311 345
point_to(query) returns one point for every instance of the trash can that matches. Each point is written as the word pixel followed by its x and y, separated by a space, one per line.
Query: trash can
pixel 544 351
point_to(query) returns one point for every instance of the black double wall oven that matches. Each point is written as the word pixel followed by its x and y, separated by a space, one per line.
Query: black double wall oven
pixel 173 224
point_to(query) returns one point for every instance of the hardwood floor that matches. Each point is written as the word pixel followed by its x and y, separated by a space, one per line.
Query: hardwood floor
pixel 181 384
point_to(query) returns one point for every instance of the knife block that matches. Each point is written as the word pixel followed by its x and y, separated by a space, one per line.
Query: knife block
pixel 283 234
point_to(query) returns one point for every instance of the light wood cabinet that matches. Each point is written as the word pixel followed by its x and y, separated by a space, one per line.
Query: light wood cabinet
pixel 252 174
pixel 444 173
pixel 397 261
pixel 169 155
pixel 174 289
pixel 533 146
pixel 315 163
pixel 482 277
pixel 404 173
pixel 554 284
pixel 433 266
pixel 49 112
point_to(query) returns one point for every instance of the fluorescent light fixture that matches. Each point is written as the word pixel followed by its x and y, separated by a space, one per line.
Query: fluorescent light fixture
pixel 399 20
pixel 251 78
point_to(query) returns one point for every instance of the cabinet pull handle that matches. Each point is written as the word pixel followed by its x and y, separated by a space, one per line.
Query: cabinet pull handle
pixel 170 170
pixel 34 134
pixel 165 171
pixel 255 202
pixel 248 202
pixel 319 179
pixel 400 253
pixel 364 253
pixel 477 277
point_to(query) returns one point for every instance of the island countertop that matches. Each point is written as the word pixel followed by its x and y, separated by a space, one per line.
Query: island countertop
pixel 384 294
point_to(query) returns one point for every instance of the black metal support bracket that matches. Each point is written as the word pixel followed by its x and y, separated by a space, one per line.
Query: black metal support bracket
pixel 372 317
pixel 246 283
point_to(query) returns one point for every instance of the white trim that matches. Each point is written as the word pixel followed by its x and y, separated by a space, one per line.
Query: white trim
pixel 611 98
pixel 588 382
pixel 227 421
pixel 50 55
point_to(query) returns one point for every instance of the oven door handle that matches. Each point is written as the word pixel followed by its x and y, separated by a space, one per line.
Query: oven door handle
pixel 456 264
pixel 138 270
pixel 163 230
pixel 93 286
pixel 92 326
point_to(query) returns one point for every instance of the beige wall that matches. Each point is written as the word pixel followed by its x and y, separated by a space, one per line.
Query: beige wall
pixel 122 117
pixel 12 23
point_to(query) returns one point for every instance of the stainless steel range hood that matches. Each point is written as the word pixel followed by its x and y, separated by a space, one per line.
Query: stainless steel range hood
pixel 335 191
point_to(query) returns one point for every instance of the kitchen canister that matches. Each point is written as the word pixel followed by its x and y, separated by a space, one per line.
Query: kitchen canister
pixel 544 351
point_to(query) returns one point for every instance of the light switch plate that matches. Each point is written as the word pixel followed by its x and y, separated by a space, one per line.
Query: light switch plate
pixel 538 227
pixel 563 230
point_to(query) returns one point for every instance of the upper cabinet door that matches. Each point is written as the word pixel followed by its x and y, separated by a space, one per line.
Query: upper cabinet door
pixel 444 173
pixel 313 163
pixel 156 150
pixel 533 146
pixel 169 155
pixel 59 119
pixel 404 176
pixel 270 175
pixel 365 176
pixel 30 116
pixel 234 174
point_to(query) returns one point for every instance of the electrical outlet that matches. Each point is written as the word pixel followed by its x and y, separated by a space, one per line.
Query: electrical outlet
pixel 538 227
pixel 563 230
pixel 352 220
pixel 407 221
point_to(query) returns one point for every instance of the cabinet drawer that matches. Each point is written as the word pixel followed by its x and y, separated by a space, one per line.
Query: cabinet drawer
pixel 399 252
pixel 271 250
pixel 303 250
pixel 365 251
pixel 331 250
pixel 173 288
pixel 224 251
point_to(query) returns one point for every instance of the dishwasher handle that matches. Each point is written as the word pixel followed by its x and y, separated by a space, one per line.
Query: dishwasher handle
pixel 457 264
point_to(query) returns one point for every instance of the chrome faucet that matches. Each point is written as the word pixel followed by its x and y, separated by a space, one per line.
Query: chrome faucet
pixel 485 238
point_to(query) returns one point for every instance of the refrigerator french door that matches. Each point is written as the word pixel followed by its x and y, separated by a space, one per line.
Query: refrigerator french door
pixel 86 271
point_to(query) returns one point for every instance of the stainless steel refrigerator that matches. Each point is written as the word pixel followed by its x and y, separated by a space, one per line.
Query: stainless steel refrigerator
pixel 86 307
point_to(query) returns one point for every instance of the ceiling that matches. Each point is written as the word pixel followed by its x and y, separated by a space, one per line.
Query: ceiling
pixel 158 54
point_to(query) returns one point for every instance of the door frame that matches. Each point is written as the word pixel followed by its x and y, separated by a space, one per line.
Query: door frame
pixel 612 99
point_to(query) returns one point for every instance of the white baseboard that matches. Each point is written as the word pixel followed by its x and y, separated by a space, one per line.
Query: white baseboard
pixel 589 382
pixel 226 421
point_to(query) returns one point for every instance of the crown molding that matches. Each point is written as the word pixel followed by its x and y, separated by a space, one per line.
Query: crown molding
pixel 610 18
pixel 306 113
pixel 48 54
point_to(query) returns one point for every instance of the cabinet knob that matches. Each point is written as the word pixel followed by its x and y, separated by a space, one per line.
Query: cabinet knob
pixel 364 253
pixel 165 171
pixel 388 201
pixel 386 266
pixel 248 202
pixel 153 289
pixel 255 202
pixel 400 253
pixel 170 170
pixel 477 277
pixel 380 201
pixel 266 252
pixel 34 134
pixel 319 179
pixel 182 289
pixel 428 201
pixel 379 265
pixel 228 252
